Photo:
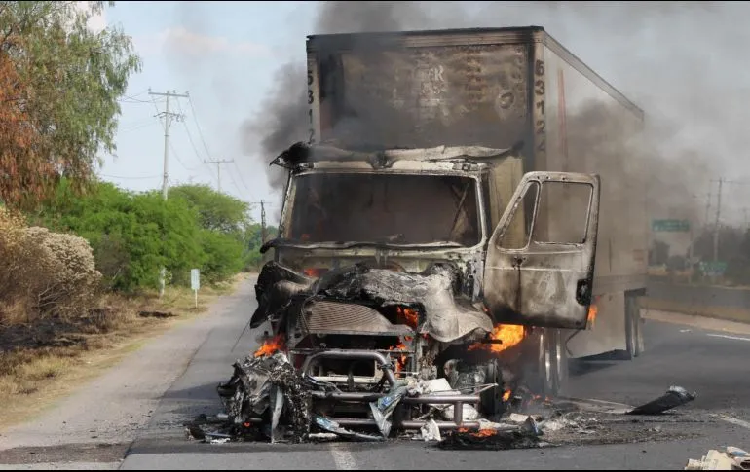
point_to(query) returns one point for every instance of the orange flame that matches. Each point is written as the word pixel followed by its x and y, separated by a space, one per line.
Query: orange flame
pixel 483 433
pixel 506 395
pixel 410 315
pixel 312 272
pixel 593 310
pixel 270 347
pixel 480 433
pixel 401 361
pixel 510 335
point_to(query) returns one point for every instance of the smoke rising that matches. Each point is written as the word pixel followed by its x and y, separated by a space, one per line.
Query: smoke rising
pixel 681 62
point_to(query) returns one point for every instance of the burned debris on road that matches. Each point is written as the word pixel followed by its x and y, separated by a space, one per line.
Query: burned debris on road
pixel 268 400
pixel 361 353
pixel 732 458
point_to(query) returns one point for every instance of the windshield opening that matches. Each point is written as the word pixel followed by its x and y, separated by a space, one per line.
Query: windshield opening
pixel 384 208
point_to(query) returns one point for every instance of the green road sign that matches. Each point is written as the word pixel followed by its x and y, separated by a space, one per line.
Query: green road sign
pixel 670 226
pixel 713 268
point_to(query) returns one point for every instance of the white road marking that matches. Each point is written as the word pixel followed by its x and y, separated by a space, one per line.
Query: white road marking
pixel 736 421
pixel 685 330
pixel 728 337
pixel 344 459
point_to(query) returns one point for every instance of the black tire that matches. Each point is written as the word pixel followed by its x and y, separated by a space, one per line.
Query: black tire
pixel 491 402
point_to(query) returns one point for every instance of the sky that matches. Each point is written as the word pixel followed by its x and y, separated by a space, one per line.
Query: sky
pixel 226 56
pixel 226 75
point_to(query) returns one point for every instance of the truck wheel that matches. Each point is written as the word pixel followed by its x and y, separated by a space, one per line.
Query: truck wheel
pixel 491 402
pixel 561 361
pixel 552 373
pixel 632 327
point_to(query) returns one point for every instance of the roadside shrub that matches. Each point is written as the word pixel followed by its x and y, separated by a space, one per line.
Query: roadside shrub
pixel 66 281
pixel 43 273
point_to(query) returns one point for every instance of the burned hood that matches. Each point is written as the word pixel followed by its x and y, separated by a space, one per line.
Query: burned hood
pixel 448 317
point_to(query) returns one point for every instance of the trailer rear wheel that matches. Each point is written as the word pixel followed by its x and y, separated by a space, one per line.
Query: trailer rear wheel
pixel 552 370
pixel 632 327
pixel 561 360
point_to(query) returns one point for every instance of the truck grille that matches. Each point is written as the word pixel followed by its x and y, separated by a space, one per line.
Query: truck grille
pixel 324 317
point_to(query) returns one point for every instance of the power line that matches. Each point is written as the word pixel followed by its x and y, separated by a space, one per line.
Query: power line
pixel 174 153
pixel 171 147
pixel 231 175
pixel 241 178
pixel 130 177
pixel 135 127
pixel 192 143
pixel 205 146
pixel 218 170
pixel 197 124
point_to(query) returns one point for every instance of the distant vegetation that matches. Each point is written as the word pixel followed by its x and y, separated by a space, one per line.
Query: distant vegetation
pixel 66 236
pixel 133 235
pixel 80 259
pixel 733 248
pixel 114 240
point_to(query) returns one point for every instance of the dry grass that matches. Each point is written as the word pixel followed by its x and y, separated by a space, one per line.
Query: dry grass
pixel 32 377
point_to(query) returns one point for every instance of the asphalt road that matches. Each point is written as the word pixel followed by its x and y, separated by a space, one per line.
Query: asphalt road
pixel 714 364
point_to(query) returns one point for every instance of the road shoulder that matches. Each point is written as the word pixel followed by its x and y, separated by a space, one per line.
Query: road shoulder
pixel 702 322
pixel 110 410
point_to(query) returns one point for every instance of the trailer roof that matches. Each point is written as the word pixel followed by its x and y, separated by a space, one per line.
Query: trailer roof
pixel 462 37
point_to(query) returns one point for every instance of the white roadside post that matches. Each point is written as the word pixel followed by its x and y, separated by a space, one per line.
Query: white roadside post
pixel 195 283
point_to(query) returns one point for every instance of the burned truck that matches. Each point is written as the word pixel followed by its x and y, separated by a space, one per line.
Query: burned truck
pixel 437 227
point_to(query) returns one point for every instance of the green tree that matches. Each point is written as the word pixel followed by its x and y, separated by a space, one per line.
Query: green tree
pixel 253 241
pixel 133 234
pixel 218 212
pixel 223 255
pixel 59 87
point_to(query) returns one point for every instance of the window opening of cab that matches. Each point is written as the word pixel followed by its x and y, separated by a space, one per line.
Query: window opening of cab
pixel 390 208
pixel 559 215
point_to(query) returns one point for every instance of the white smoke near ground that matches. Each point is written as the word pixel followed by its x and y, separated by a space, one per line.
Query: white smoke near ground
pixel 682 62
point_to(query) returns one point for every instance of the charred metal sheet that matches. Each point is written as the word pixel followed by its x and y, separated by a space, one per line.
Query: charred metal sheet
pixel 447 320
pixel 321 316
pixel 275 288
pixel 447 316
pixel 674 397
pixel 253 388
pixel 300 153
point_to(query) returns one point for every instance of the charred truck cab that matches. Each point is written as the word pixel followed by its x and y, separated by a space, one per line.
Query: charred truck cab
pixel 427 236
pixel 394 257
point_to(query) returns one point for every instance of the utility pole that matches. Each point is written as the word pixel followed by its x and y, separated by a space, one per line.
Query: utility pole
pixel 708 208
pixel 263 227
pixel 165 184
pixel 718 221
pixel 218 170
pixel 167 121
pixel 263 235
